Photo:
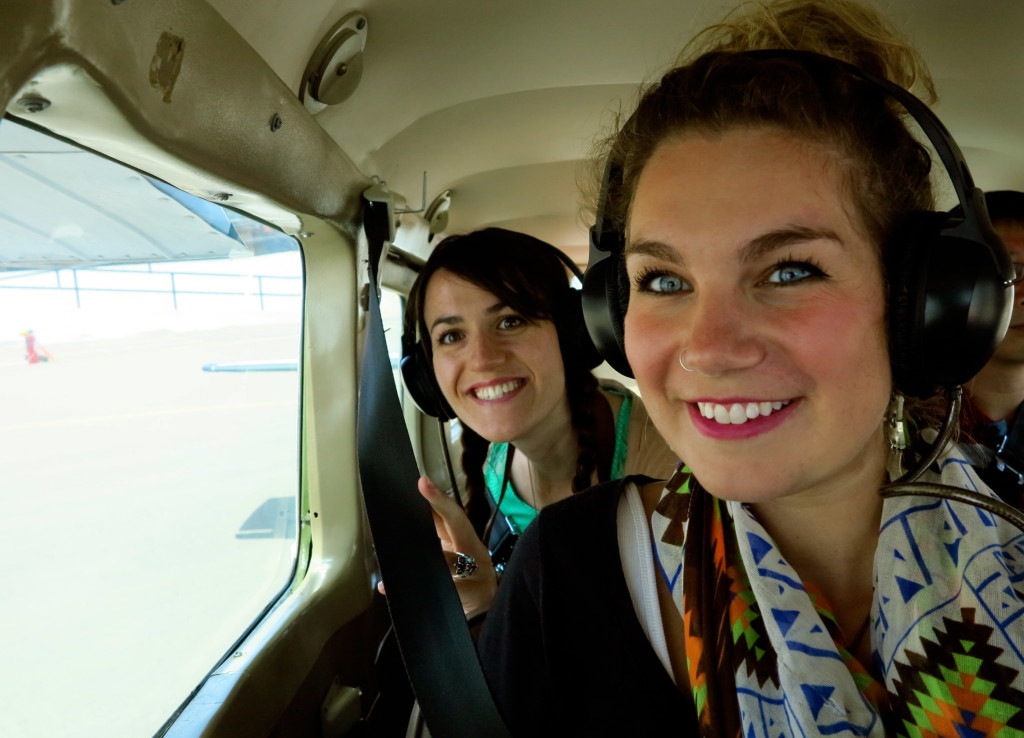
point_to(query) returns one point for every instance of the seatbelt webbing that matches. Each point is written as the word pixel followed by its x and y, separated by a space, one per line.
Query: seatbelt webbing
pixel 429 624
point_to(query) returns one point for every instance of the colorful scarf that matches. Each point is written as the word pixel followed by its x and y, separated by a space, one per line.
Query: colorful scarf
pixel 766 657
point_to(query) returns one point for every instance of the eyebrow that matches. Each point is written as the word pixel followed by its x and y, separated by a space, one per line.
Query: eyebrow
pixel 754 249
pixel 783 237
pixel 456 319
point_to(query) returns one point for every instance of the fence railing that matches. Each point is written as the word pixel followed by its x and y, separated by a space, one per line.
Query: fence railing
pixel 256 285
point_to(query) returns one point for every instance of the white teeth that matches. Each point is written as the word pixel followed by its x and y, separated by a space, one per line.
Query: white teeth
pixel 497 391
pixel 737 414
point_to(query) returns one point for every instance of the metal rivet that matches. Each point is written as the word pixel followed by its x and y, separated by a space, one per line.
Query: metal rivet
pixel 33 104
pixel 341 69
pixel 276 122
pixel 361 24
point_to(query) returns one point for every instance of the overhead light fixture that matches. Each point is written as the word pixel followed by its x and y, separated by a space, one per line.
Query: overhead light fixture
pixel 336 67
pixel 437 214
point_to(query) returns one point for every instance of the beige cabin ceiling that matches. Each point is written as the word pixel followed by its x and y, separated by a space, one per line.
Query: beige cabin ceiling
pixel 501 101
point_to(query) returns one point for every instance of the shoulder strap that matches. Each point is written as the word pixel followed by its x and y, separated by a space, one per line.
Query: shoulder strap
pixel 604 434
pixel 621 454
pixel 428 620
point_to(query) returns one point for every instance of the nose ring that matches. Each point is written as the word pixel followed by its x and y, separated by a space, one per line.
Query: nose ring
pixel 685 368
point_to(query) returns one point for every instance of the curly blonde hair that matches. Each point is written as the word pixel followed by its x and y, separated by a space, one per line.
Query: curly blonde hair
pixel 842 29
pixel 718 88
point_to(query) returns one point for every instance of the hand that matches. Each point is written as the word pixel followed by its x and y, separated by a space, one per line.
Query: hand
pixel 456 533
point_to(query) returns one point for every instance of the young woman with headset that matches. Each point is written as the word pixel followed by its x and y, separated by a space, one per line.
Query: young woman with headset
pixel 495 336
pixel 770 268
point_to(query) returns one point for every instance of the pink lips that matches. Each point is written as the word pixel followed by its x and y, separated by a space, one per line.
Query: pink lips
pixel 749 429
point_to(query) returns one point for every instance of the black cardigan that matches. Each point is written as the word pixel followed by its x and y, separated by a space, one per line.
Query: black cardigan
pixel 562 648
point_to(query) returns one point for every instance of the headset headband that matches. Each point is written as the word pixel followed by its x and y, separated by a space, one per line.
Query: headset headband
pixel 969 196
pixel 949 277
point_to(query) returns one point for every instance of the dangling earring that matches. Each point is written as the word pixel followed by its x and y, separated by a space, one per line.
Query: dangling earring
pixel 685 368
pixel 895 435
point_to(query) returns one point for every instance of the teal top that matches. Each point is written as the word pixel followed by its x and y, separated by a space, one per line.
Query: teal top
pixel 519 513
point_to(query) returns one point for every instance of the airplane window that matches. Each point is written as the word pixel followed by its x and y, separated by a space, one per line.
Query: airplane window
pixel 392 310
pixel 149 345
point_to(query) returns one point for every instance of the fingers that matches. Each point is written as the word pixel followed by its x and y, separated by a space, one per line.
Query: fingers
pixel 433 494
pixel 462 565
pixel 438 504
pixel 475 581
pixel 453 526
pixel 468 559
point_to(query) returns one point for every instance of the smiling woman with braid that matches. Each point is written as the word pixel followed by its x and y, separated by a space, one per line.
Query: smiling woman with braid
pixel 495 336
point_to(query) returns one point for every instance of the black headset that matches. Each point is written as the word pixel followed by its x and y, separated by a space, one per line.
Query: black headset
pixel 418 368
pixel 950 285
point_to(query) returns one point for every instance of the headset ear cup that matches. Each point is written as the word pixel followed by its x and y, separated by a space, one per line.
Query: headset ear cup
pixel 904 307
pixel 603 312
pixel 948 306
pixel 420 382
pixel 573 334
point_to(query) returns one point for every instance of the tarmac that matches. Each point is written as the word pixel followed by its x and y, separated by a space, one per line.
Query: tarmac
pixel 147 516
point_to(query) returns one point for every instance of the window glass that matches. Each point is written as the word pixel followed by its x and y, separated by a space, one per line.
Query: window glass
pixel 392 311
pixel 149 342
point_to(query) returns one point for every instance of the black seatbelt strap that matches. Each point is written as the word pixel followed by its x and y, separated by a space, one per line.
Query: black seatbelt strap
pixel 428 621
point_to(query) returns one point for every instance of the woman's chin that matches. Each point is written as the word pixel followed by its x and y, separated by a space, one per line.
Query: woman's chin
pixel 735 485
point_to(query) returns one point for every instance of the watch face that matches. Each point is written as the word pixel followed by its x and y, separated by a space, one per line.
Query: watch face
pixel 501 545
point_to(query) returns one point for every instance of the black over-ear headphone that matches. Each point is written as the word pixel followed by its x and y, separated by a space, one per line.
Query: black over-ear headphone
pixel 949 282
pixel 418 368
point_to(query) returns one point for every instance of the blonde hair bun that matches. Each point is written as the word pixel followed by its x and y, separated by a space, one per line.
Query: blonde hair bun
pixel 851 31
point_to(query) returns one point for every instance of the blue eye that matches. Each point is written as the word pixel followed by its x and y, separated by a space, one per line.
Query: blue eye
pixel 790 272
pixel 658 282
pixel 666 283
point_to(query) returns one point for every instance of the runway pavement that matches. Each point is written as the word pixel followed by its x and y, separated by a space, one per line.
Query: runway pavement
pixel 147 515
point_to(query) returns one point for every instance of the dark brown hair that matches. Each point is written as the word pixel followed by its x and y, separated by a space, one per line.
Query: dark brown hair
pixel 527 275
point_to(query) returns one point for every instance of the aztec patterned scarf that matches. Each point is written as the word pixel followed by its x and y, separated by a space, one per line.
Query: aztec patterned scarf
pixel 766 657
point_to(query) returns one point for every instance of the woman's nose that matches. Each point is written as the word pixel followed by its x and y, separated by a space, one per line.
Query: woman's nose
pixel 486 351
pixel 722 335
